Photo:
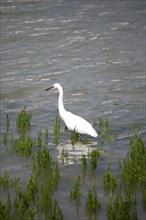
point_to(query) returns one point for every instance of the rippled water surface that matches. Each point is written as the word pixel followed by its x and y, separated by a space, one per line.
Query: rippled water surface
pixel 95 50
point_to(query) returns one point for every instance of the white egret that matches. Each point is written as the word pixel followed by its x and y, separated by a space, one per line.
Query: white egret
pixel 72 121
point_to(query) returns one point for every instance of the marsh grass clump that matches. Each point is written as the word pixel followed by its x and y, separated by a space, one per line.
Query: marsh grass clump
pixel 5 138
pixel 7 123
pixel 143 191
pixel 84 164
pixel 23 145
pixel 32 188
pixel 46 136
pixel 57 130
pixel 7 182
pixel 42 160
pixel 56 175
pixel 46 200
pixel 92 203
pixel 56 213
pixel 5 209
pixel 39 140
pixel 104 132
pixel 35 199
pixel 23 121
pixel 64 156
pixel 94 155
pixel 20 206
pixel 23 208
pixel 51 209
pixel 75 193
pixel 46 168
pixel 122 208
pixel 133 168
pixel 74 137
pixel 109 182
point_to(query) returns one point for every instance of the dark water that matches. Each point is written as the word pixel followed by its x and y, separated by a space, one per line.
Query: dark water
pixel 96 51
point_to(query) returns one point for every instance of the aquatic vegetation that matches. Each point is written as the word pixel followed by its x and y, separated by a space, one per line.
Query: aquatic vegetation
pixel 74 137
pixel 46 136
pixel 42 160
pixel 94 155
pixel 143 191
pixel 39 140
pixel 5 138
pixel 7 182
pixel 46 168
pixel 84 164
pixel 23 208
pixel 23 121
pixel 36 196
pixel 92 203
pixel 57 130
pixel 133 168
pixel 56 175
pixel 23 145
pixel 7 123
pixel 36 199
pixel 32 188
pixel 64 156
pixel 109 182
pixel 46 200
pixel 105 134
pixel 75 193
pixel 122 208
pixel 5 209
pixel 56 213
pixel 41 185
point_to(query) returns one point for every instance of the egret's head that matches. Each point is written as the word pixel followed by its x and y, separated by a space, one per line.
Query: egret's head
pixel 55 86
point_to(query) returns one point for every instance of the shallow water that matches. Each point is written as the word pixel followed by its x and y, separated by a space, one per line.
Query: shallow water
pixel 95 50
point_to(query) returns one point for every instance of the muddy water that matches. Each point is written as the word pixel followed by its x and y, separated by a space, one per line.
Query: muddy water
pixel 95 50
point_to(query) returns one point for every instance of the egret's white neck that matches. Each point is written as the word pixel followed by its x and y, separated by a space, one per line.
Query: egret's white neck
pixel 60 102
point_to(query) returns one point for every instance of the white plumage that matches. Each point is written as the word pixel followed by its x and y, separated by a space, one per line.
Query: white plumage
pixel 72 121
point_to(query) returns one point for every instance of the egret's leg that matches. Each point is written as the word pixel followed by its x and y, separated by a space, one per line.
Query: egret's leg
pixel 65 128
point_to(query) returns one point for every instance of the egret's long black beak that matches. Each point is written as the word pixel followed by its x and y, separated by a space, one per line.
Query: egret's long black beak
pixel 49 88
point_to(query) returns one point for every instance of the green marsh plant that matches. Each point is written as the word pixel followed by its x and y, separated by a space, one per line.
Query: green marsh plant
pixel 94 155
pixel 5 138
pixel 7 182
pixel 64 156
pixel 84 164
pixel 7 123
pixel 46 136
pixel 57 130
pixel 75 192
pixel 76 195
pixel 133 168
pixel 23 121
pixel 74 137
pixel 121 208
pixel 56 213
pixel 104 132
pixel 143 191
pixel 92 203
pixel 39 140
pixel 109 182
pixel 23 145
pixel 46 168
